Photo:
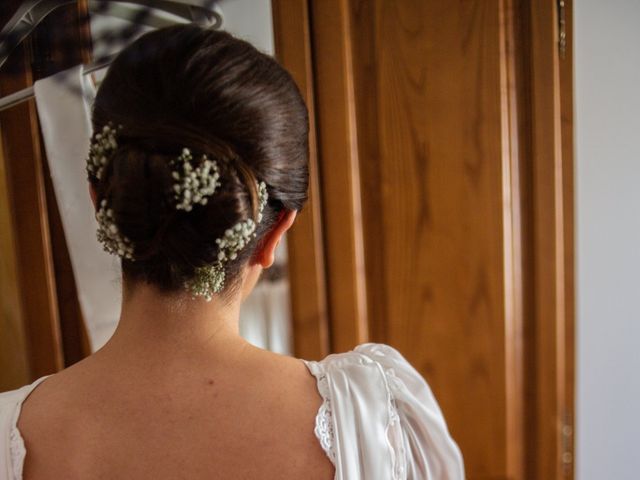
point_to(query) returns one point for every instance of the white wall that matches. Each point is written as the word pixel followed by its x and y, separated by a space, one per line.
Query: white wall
pixel 607 76
pixel 250 20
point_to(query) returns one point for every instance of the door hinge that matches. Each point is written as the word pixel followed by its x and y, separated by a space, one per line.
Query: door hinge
pixel 567 444
pixel 562 27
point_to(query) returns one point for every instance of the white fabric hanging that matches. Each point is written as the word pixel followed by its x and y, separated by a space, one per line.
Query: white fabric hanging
pixel 63 101
pixel 265 316
pixel 253 319
pixel 265 319
pixel 278 304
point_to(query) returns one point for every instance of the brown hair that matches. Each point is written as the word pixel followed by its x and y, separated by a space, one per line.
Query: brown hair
pixel 186 86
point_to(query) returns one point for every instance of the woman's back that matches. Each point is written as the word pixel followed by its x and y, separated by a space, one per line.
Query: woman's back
pixel 104 419
pixel 253 415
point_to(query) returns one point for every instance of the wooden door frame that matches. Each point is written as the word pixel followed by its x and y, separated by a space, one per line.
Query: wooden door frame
pixel 306 256
pixel 331 246
pixel 553 248
pixel 544 106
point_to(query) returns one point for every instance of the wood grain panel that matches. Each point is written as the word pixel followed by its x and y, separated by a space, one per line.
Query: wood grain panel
pixel 14 362
pixel 304 240
pixel 512 89
pixel 435 114
pixel 568 198
pixel 549 220
pixel 339 172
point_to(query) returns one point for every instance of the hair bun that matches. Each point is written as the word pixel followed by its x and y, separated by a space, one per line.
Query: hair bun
pixel 187 174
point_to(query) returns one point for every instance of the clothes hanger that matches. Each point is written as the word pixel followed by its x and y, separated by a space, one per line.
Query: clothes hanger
pixel 32 12
pixel 25 94
pixel 162 13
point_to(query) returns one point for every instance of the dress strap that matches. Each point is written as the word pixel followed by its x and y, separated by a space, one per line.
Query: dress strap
pixel 324 426
pixel 13 448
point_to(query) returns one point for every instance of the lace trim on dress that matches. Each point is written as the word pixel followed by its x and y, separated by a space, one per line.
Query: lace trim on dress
pixel 324 429
pixel 394 429
pixel 17 449
pixel 324 420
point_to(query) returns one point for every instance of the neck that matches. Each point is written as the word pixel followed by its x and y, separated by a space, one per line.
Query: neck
pixel 164 328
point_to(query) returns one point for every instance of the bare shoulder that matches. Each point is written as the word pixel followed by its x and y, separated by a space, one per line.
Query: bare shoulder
pixel 45 419
pixel 292 386
pixel 51 397
pixel 289 375
pixel 264 411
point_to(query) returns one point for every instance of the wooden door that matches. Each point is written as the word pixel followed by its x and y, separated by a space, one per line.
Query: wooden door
pixel 445 208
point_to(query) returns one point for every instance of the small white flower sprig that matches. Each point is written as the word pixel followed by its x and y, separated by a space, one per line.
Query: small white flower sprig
pixel 102 145
pixel 263 196
pixel 194 185
pixel 210 279
pixel 109 235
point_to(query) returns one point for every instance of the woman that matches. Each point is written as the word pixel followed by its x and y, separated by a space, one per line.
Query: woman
pixel 197 169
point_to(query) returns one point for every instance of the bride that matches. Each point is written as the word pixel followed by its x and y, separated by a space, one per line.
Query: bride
pixel 196 170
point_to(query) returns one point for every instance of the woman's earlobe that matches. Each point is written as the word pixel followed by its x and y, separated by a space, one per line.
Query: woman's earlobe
pixel 266 255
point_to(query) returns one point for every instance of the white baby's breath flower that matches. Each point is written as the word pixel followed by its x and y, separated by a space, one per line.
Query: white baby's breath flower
pixel 109 235
pixel 102 145
pixel 193 185
pixel 210 279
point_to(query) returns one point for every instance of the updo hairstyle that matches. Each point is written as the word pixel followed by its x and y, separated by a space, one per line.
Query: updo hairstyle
pixel 191 87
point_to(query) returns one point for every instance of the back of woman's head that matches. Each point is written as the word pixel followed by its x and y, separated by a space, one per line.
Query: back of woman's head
pixel 204 90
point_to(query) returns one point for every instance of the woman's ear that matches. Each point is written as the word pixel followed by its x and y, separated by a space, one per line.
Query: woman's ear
pixel 93 195
pixel 265 255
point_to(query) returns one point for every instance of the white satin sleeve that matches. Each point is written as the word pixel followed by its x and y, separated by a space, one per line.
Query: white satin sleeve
pixel 420 433
pixel 380 420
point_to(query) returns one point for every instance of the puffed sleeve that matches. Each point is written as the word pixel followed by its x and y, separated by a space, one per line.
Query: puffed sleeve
pixel 420 434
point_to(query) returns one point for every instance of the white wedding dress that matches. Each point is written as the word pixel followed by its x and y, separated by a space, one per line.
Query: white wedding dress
pixel 378 421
